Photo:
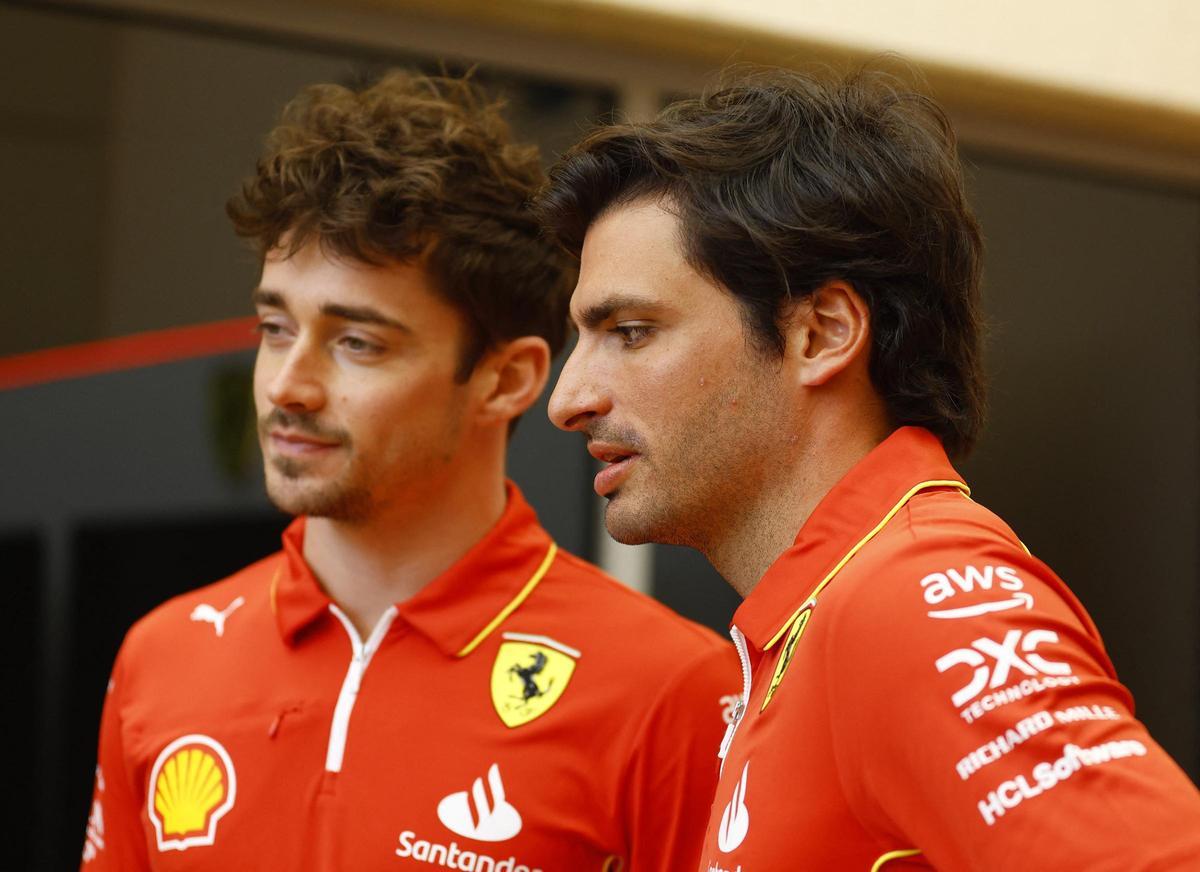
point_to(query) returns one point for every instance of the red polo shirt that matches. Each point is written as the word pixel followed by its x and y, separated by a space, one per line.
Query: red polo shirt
pixel 922 693
pixel 522 712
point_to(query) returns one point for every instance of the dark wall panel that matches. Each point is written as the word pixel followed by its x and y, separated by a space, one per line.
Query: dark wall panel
pixel 120 571
pixel 1092 450
pixel 22 556
pixel 687 582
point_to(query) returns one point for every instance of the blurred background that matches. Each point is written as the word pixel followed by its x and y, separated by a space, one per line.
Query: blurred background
pixel 130 468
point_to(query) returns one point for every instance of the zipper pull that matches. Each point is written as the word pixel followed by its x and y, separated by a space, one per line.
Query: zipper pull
pixel 725 743
pixel 739 709
pixel 735 718
pixel 355 678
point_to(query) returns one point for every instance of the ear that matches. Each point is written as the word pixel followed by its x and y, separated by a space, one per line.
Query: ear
pixel 512 377
pixel 831 330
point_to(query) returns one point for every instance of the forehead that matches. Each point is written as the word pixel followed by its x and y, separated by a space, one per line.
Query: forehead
pixel 313 277
pixel 635 250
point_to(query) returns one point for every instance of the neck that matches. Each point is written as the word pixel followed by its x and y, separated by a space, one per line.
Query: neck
pixel 368 566
pixel 766 526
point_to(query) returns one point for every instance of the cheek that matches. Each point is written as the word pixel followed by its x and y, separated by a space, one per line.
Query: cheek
pixel 261 382
pixel 725 400
pixel 394 420
pixel 692 378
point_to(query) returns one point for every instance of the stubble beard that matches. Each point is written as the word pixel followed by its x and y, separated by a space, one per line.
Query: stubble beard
pixel 654 504
pixel 339 500
pixel 344 498
pixel 675 508
pixel 701 477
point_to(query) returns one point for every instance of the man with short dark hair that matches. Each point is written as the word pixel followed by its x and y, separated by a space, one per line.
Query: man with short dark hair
pixel 778 350
pixel 420 678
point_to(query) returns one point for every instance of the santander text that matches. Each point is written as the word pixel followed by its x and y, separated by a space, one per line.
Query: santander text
pixel 453 857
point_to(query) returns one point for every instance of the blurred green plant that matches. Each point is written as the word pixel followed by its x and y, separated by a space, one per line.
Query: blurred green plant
pixel 232 422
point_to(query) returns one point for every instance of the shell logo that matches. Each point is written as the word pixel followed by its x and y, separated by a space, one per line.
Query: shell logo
pixel 192 786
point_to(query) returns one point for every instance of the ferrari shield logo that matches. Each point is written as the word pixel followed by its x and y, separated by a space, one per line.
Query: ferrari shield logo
pixel 529 676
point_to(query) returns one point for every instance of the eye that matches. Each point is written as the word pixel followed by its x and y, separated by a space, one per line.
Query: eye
pixel 359 345
pixel 633 335
pixel 270 331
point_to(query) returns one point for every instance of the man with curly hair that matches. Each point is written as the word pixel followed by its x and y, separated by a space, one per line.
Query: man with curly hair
pixel 778 307
pixel 420 677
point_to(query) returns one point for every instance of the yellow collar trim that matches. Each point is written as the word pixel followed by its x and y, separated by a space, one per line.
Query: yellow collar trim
pixel 894 855
pixel 925 485
pixel 273 591
pixel 514 604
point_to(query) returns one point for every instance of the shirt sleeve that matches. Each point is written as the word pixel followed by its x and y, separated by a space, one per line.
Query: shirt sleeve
pixel 977 718
pixel 672 775
pixel 114 839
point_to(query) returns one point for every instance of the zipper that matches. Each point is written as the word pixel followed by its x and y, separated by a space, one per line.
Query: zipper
pixel 362 652
pixel 739 642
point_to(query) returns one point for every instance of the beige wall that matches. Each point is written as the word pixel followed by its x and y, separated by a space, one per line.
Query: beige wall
pixel 1110 86
pixel 1146 51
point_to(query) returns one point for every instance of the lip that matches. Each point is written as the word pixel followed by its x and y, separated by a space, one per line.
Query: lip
pixel 298 444
pixel 619 460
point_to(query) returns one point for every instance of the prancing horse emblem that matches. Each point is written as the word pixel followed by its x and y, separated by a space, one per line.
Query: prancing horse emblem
pixel 530 687
pixel 529 676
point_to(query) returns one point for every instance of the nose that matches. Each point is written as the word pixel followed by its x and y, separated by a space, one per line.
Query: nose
pixel 579 396
pixel 296 384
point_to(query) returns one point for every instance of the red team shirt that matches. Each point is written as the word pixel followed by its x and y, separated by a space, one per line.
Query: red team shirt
pixel 522 712
pixel 922 693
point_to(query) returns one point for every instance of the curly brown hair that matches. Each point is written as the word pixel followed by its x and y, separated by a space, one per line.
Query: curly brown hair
pixel 783 181
pixel 415 168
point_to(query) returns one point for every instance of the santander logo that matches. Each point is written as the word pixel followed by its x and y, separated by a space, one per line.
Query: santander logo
pixel 735 820
pixel 475 815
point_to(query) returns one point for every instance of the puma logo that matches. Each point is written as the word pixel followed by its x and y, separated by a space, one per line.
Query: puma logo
pixel 205 612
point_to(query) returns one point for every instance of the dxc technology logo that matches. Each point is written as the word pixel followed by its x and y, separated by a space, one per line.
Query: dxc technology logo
pixel 992 662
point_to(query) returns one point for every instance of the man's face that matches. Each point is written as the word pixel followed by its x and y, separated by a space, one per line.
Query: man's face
pixel 358 408
pixel 682 408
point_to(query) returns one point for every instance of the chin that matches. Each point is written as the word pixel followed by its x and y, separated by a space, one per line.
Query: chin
pixel 631 524
pixel 331 501
pixel 287 500
pixel 627 536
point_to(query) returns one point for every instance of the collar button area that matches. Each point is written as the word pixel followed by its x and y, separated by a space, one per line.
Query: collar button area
pixel 354 676
pixel 360 659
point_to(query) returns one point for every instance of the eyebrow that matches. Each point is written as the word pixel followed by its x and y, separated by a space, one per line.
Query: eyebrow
pixel 363 315
pixel 259 297
pixel 357 314
pixel 597 314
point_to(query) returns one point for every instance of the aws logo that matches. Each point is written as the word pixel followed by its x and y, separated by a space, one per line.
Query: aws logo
pixel 938 587
pixel 529 676
pixel 192 786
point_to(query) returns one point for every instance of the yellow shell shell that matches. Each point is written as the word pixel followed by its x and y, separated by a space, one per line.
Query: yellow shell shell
pixel 190 785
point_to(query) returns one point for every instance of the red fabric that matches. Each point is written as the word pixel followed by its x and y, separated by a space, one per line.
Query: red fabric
pixel 603 772
pixel 948 694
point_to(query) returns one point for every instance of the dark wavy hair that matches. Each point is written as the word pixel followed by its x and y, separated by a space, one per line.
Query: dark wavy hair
pixel 783 181
pixel 421 169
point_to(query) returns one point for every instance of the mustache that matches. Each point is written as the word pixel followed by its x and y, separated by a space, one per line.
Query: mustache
pixel 302 422
pixel 603 431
